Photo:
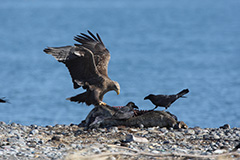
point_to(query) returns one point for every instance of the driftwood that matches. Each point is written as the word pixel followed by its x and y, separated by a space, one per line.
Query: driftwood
pixel 137 154
pixel 103 116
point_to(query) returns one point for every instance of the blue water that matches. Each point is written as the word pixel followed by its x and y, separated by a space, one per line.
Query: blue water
pixel 156 47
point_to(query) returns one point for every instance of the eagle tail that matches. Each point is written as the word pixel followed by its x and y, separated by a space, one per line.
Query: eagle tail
pixel 80 98
pixel 183 92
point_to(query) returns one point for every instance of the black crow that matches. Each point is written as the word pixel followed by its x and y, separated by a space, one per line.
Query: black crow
pixel 125 112
pixel 165 100
pixel 3 100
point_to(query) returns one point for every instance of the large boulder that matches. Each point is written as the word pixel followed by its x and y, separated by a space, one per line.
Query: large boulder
pixel 103 116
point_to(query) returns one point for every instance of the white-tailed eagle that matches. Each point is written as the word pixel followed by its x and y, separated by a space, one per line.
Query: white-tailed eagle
pixel 87 63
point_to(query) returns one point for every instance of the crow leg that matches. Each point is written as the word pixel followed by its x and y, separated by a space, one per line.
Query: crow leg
pixel 167 106
pixel 154 108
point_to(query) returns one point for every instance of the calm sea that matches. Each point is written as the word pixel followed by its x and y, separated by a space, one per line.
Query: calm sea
pixel 158 47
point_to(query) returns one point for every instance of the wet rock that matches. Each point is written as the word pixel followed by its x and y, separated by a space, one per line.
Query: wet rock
pixel 180 124
pixel 56 138
pixel 225 126
pixel 102 116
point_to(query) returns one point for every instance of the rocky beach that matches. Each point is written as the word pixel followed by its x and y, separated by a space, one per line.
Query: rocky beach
pixel 74 142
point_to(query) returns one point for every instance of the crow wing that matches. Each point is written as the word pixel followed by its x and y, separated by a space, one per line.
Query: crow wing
pixel 100 52
pixel 165 100
pixel 125 112
pixel 80 63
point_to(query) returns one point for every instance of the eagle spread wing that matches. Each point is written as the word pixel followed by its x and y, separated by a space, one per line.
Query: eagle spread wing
pixel 80 63
pixel 95 44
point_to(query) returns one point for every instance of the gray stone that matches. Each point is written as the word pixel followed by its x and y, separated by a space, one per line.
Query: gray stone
pixel 14 132
pixel 151 129
pixel 96 150
pixel 73 145
pixel 12 139
pixel 34 131
pixel 215 136
pixel 206 136
pixel 114 129
pixel 155 152
pixel 148 119
pixel 141 125
pixel 219 151
pixel 2 123
pixel 189 131
pixel 14 124
pixel 24 128
pixel 34 126
pixel 130 138
pixel 164 130
pixel 166 142
pixel 111 158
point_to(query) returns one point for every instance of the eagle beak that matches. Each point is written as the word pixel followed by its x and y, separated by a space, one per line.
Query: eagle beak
pixel 118 92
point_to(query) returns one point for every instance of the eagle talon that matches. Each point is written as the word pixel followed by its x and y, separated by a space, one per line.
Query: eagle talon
pixel 102 103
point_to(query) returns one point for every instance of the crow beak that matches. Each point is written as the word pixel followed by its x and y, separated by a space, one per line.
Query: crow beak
pixel 135 107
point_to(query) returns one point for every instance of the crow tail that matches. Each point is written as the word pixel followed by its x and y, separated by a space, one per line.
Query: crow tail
pixel 183 92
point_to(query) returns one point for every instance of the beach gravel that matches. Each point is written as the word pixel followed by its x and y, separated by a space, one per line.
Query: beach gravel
pixel 73 142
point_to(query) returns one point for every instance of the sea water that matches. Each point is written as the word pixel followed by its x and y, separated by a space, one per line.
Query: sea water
pixel 158 47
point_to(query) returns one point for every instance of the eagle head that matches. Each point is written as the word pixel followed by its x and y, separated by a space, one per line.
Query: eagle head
pixel 116 87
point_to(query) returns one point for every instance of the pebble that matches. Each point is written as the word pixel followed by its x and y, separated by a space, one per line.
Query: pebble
pixel 190 131
pixel 141 126
pixel 66 141
pixel 34 131
pixel 130 138
pixel 164 130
